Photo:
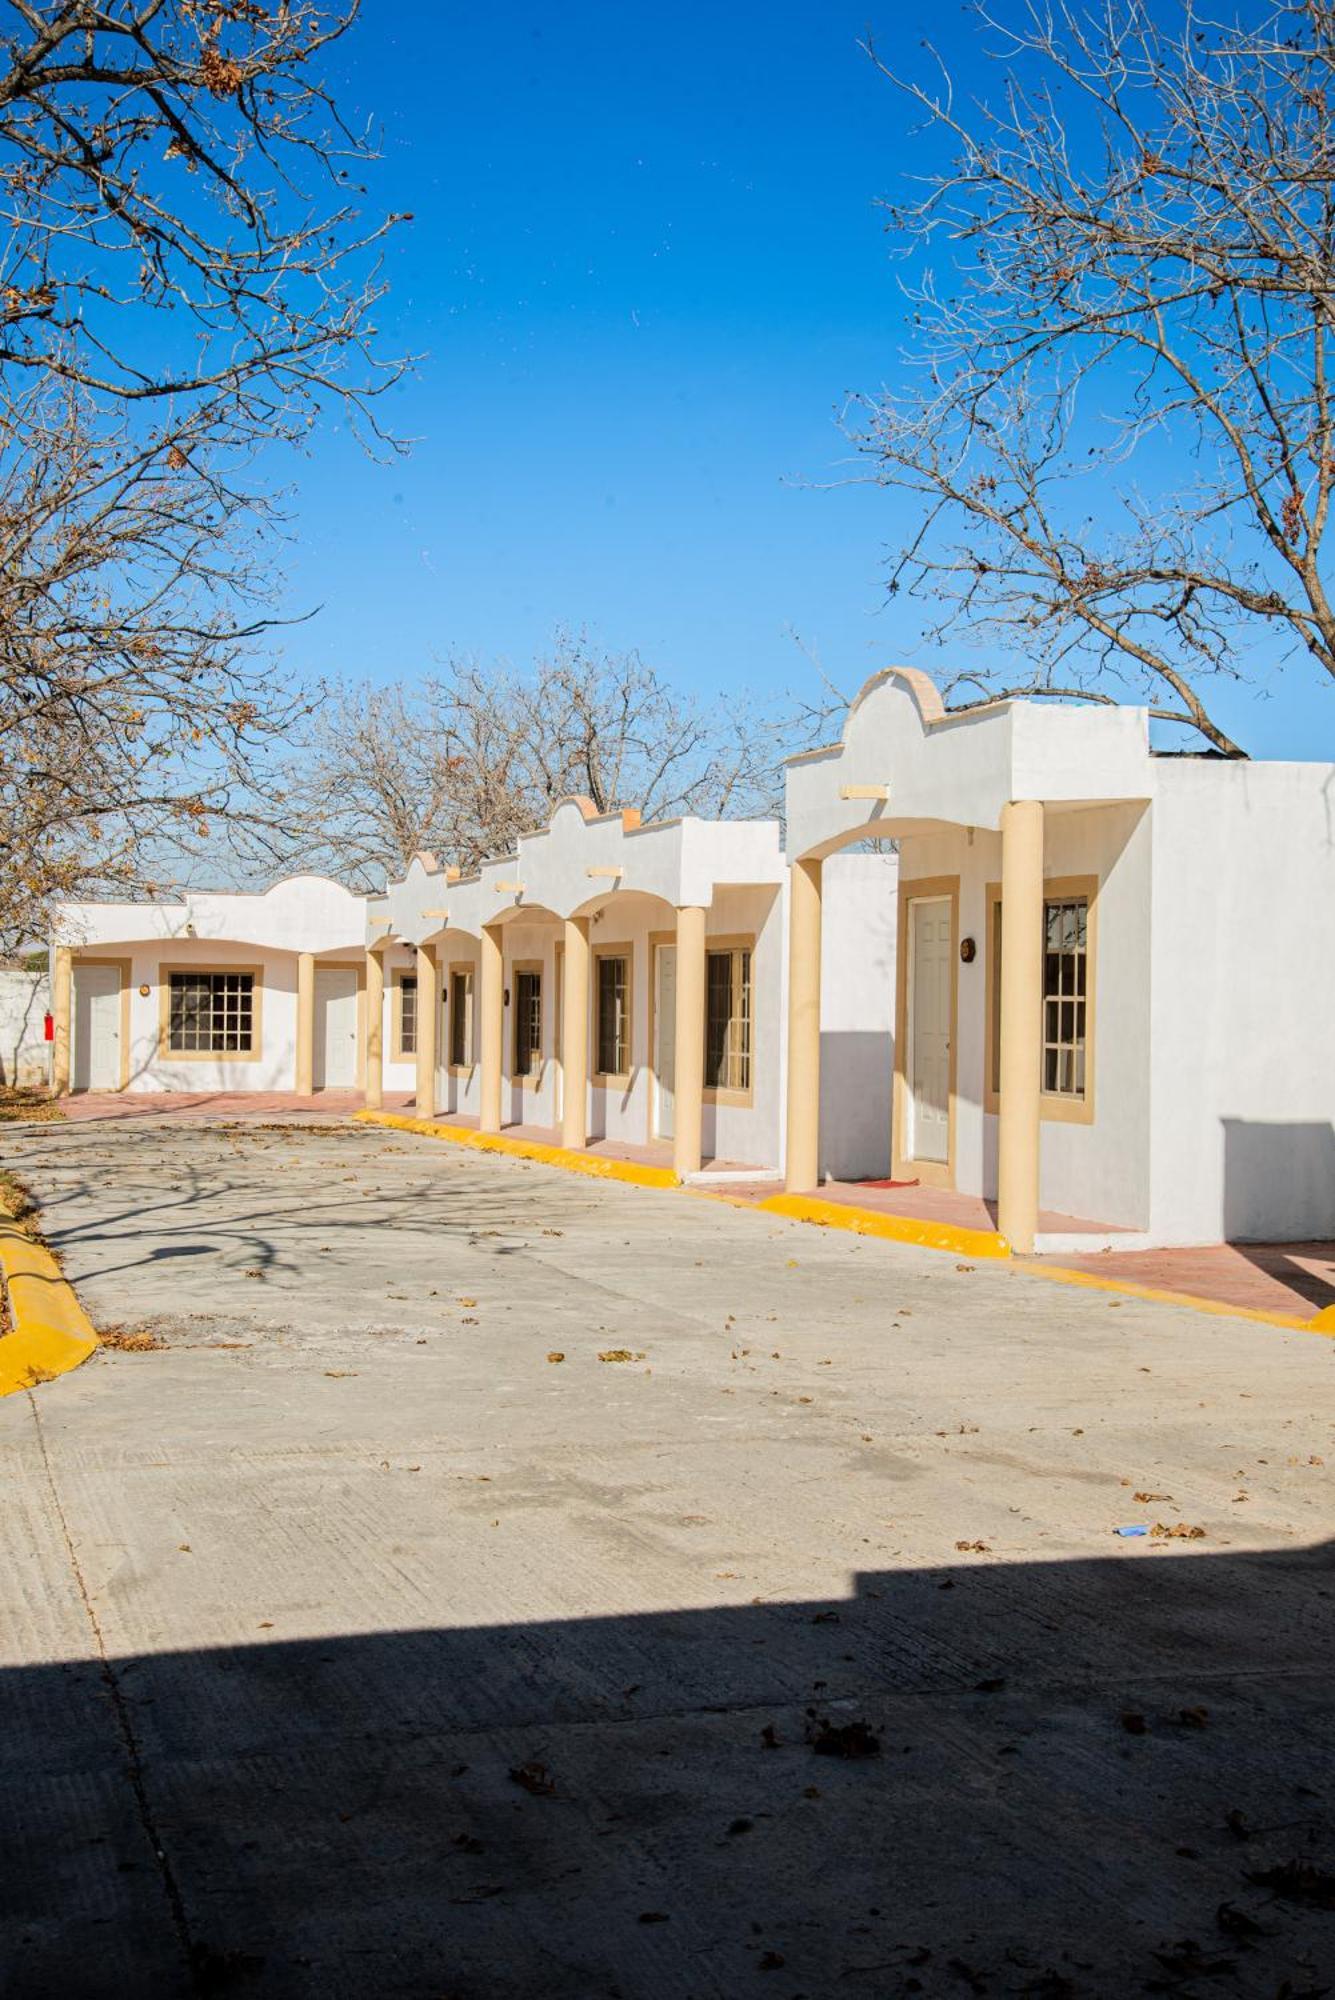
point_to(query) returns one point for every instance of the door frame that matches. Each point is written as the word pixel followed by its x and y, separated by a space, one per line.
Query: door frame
pixel 124 967
pixel 656 939
pixel 931 1173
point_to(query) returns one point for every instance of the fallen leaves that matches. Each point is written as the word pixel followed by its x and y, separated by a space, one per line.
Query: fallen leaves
pixel 973 1548
pixel 535 1779
pixel 618 1354
pixel 340 1374
pixel 842 1739
pixel 556 1355
pixel 1179 1531
pixel 122 1342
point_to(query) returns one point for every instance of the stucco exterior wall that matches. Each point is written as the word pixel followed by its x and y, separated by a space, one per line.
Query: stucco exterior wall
pixel 1243 1060
pixel 24 1051
pixel 857 1041
pixel 151 1068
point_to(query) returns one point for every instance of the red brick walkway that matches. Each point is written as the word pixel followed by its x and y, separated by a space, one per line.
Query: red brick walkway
pixel 1296 1278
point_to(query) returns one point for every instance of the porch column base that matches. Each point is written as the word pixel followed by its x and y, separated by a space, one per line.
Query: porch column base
pixel 1021 1022
pixel 575 1035
pixel 802 1152
pixel 689 1044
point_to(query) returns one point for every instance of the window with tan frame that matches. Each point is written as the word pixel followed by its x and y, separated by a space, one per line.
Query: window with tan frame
pixel 611 1028
pixel 1066 1025
pixel 729 1055
pixel 461 1017
pixel 209 1012
pixel 526 1026
pixel 403 1039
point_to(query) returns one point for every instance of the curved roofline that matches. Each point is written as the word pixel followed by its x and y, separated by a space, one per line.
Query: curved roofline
pixel 932 711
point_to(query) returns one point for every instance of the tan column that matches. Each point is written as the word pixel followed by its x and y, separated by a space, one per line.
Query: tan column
pixel 373 1066
pixel 802 1158
pixel 62 990
pixel 575 1035
pixel 305 1078
pixel 1021 1021
pixel 428 1016
pixel 491 999
pixel 689 1064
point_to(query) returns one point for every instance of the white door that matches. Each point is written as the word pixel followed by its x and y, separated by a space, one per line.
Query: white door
pixel 97 1027
pixel 335 1027
pixel 665 1041
pixel 929 1030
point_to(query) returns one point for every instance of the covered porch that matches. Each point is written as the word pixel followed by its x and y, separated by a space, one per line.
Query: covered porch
pixel 1020 831
pixel 608 987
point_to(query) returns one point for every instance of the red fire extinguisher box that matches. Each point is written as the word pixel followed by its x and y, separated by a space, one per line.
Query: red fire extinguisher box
pixel 49 1028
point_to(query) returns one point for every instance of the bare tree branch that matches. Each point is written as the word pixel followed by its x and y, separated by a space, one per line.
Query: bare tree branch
pixel 1117 414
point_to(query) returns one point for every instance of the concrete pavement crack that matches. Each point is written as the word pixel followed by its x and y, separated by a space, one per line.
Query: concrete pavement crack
pixel 124 1721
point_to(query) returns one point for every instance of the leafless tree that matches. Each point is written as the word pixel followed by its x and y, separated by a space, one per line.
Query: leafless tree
pixel 480 753
pixel 1116 407
pixel 184 283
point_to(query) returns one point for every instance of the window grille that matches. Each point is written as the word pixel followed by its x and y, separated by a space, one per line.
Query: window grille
pixel 212 1013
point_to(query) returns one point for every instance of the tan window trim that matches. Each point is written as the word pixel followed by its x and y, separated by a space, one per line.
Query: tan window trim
pixel 1054 1108
pixel 166 1053
pixel 614 1079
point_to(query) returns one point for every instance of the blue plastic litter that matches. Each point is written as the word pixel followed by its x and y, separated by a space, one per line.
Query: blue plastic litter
pixel 1136 1528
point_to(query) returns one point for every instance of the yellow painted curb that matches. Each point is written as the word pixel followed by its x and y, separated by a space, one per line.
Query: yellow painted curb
pixel 52 1332
pixel 527 1149
pixel 1324 1322
pixel 895 1228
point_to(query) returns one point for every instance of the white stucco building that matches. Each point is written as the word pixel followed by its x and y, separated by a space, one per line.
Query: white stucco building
pixel 1114 967
pixel 1009 956
pixel 216 992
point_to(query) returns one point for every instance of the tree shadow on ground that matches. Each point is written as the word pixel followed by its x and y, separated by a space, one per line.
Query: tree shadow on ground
pixel 1098 1777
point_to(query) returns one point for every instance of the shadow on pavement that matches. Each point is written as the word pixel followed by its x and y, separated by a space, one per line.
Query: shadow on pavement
pixel 1095 1777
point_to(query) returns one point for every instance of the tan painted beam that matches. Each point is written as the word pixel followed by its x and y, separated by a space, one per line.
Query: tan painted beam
pixel 689 1064
pixel 881 792
pixel 491 1000
pixel 305 1068
pixel 62 989
pixel 802 1152
pixel 1021 1022
pixel 373 1064
pixel 428 1017
pixel 575 1034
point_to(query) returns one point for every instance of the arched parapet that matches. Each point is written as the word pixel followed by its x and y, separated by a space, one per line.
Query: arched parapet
pixel 903 759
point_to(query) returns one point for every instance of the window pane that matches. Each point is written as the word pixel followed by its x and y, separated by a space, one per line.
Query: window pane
pixel 1065 970
pixel 408 1015
pixel 718 1014
pixel 528 1023
pixel 211 1013
pixel 613 1035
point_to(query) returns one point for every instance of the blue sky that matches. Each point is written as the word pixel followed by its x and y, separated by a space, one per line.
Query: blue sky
pixel 646 268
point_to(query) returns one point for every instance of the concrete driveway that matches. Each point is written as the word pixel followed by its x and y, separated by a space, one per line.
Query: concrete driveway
pixel 355 1645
